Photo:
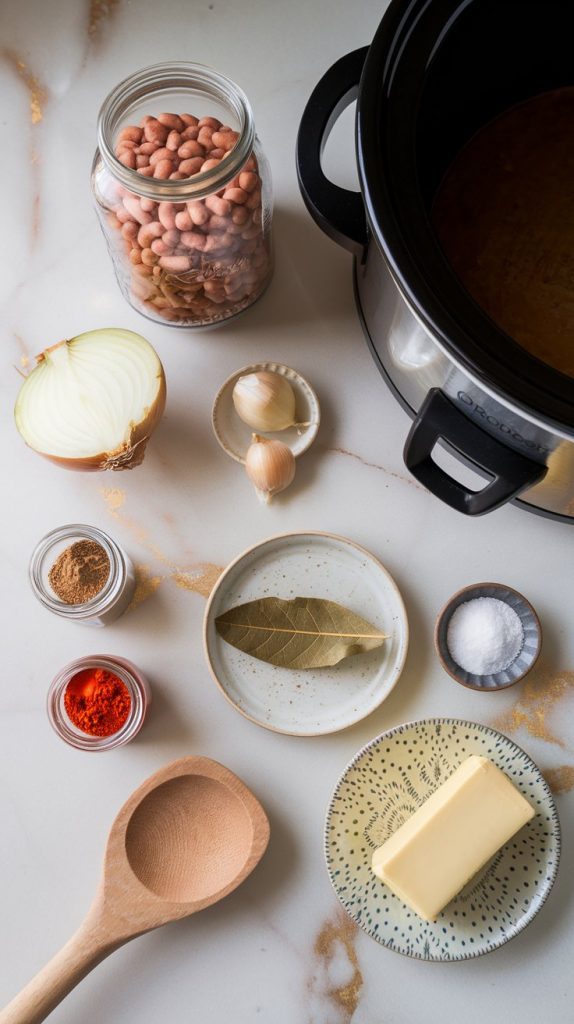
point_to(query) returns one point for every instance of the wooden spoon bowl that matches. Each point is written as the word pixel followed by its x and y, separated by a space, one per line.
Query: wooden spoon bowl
pixel 188 836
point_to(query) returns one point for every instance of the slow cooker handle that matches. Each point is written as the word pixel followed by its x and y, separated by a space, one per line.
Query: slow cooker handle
pixel 438 418
pixel 339 212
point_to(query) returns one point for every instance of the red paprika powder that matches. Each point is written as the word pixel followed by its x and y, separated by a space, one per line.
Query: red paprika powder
pixel 97 701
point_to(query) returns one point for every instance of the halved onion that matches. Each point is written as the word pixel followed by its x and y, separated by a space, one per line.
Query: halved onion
pixel 92 402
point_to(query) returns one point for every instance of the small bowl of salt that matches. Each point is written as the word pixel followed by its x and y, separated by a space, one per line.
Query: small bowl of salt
pixel 488 636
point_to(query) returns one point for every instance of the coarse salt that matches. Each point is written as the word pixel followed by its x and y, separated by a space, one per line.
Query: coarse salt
pixel 484 636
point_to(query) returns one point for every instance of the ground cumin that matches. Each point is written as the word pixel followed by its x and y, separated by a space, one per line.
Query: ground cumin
pixel 80 572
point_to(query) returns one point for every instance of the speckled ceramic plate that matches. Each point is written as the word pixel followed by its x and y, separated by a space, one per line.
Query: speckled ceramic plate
pixel 313 701
pixel 234 435
pixel 383 785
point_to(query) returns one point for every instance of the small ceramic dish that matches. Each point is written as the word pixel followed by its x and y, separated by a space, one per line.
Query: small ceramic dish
pixel 308 702
pixel 525 658
pixel 234 435
pixel 383 786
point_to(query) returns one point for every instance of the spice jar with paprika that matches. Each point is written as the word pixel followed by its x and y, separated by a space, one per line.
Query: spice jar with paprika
pixel 98 702
pixel 80 573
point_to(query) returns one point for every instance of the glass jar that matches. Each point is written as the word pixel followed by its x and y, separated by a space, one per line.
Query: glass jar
pixel 184 201
pixel 136 684
pixel 114 597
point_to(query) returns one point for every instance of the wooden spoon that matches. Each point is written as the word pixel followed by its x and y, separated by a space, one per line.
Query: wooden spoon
pixel 188 836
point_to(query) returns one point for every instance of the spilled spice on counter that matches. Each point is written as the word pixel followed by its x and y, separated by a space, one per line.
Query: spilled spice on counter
pixel 97 701
pixel 80 572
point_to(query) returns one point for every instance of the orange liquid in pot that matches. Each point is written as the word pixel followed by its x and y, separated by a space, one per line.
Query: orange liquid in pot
pixel 504 215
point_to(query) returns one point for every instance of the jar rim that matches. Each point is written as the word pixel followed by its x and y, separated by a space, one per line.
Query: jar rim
pixel 75 737
pixel 164 76
pixel 101 601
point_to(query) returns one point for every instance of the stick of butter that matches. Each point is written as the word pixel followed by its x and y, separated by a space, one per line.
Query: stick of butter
pixel 432 856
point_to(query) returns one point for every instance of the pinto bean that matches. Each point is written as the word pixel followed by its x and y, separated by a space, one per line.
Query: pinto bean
pixel 205 135
pixel 198 212
pixel 166 215
pixel 217 205
pixel 160 248
pixel 208 165
pixel 149 257
pixel 148 232
pixel 183 221
pixel 129 144
pixel 156 132
pixel 173 121
pixel 209 122
pixel 193 240
pixel 129 230
pixel 190 148
pixel 189 120
pixel 218 224
pixel 240 215
pixel 225 139
pixel 161 153
pixel 130 134
pixel 163 169
pixel 173 141
pixel 248 181
pixel 236 195
pixel 128 158
pixel 177 264
pixel 254 200
pixel 171 237
pixel 191 166
pixel 133 206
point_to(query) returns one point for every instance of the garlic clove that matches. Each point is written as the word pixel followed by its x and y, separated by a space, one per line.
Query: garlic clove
pixel 265 401
pixel 270 466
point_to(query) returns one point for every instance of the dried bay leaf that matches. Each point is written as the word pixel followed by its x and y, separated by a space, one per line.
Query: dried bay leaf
pixel 306 632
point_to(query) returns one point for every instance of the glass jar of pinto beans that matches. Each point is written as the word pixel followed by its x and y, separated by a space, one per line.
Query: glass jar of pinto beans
pixel 183 194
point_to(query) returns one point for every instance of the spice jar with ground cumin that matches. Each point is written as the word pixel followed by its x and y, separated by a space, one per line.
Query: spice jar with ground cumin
pixel 80 573
pixel 98 702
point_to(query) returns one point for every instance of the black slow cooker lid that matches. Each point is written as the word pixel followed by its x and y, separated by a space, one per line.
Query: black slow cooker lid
pixel 436 72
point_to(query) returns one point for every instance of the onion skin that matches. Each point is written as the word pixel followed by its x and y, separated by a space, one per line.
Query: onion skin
pixel 129 454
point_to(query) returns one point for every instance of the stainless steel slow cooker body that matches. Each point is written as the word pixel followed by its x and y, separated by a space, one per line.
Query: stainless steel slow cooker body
pixel 437 70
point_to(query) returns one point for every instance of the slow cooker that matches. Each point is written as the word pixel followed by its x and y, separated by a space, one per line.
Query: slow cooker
pixel 436 72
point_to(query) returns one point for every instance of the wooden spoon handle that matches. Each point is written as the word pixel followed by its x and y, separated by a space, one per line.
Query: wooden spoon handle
pixel 87 948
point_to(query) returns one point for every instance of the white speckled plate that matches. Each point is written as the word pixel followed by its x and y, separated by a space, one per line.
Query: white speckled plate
pixel 384 785
pixel 313 701
pixel 234 435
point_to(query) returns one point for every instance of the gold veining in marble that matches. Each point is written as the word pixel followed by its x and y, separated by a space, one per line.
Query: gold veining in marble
pixel 200 579
pixel 146 585
pixel 374 465
pixel 533 711
pixel 114 498
pixel 560 779
pixel 100 12
pixel 36 91
pixel 339 934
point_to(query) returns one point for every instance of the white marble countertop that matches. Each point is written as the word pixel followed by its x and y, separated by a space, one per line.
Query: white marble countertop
pixel 280 950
